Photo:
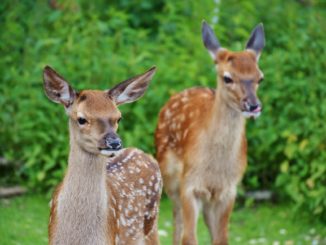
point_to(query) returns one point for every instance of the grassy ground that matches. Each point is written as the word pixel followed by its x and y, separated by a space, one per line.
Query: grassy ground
pixel 23 221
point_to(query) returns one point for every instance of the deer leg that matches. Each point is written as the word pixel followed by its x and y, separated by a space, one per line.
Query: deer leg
pixel 190 210
pixel 177 219
pixel 152 238
pixel 208 217
pixel 216 217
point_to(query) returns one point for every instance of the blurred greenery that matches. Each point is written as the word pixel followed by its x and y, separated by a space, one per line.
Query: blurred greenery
pixel 96 44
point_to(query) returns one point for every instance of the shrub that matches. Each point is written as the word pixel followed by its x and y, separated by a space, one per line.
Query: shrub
pixel 95 45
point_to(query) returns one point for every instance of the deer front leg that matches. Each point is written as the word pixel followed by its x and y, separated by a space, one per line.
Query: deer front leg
pixel 190 210
pixel 153 238
pixel 216 217
pixel 177 220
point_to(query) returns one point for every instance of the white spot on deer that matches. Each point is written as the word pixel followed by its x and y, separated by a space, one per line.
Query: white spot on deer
pixel 156 186
pixel 175 105
pixel 113 211
pixel 117 240
pixel 141 181
pixel 178 136
pixel 161 125
pixel 123 221
pixel 167 113
pixel 184 99
pixel 160 148
pixel 185 107
pixel 182 117
pixel 185 133
pixel 205 95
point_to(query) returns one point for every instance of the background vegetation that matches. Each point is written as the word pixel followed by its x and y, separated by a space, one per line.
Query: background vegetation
pixel 95 44
pixel 277 225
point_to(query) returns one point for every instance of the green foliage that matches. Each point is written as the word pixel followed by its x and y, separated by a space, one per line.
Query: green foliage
pixel 287 144
pixel 96 45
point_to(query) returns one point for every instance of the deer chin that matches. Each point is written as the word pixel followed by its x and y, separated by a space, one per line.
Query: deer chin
pixel 248 114
pixel 110 153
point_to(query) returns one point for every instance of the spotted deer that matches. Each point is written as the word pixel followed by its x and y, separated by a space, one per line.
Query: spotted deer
pixel 200 139
pixel 109 195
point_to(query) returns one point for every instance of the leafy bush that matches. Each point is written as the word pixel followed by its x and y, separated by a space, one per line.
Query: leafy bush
pixel 287 143
pixel 95 45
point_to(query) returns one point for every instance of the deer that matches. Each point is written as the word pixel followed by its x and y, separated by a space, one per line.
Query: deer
pixel 109 195
pixel 200 139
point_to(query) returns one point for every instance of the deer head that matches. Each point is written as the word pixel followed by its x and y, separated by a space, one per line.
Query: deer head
pixel 239 74
pixel 93 114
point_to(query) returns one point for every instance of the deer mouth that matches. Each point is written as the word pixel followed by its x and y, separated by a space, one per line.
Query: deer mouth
pixel 252 114
pixel 109 151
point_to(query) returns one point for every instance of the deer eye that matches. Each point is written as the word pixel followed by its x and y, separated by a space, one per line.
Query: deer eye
pixel 227 80
pixel 81 120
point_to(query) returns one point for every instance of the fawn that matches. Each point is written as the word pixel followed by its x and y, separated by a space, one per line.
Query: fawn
pixel 200 139
pixel 109 195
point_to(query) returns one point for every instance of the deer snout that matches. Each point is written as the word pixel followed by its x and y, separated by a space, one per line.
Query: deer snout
pixel 252 105
pixel 110 142
pixel 113 143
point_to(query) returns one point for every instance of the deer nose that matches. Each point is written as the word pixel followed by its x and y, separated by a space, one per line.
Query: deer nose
pixel 253 107
pixel 113 143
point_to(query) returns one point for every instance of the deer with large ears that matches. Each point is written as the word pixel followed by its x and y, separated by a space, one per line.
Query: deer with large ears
pixel 200 139
pixel 109 195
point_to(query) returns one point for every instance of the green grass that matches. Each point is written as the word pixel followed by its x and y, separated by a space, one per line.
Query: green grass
pixel 24 220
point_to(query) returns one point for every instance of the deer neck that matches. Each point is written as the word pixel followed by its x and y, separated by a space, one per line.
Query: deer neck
pixel 85 170
pixel 83 201
pixel 225 131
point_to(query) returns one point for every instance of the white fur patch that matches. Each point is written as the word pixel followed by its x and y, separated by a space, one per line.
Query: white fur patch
pixel 110 153
pixel 80 114
pixel 227 74
pixel 247 114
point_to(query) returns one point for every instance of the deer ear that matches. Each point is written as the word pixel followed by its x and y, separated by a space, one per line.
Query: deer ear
pixel 209 39
pixel 56 88
pixel 256 41
pixel 132 89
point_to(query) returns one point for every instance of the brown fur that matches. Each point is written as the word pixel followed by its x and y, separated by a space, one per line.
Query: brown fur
pixel 202 150
pixel 53 213
pixel 103 199
pixel 126 193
